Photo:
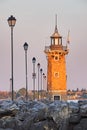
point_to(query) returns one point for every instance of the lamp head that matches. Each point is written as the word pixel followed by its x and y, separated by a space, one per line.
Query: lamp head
pixel 41 70
pixel 38 65
pixel 25 46
pixel 33 60
pixel 11 21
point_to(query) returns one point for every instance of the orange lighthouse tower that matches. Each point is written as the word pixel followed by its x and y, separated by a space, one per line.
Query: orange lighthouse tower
pixel 56 67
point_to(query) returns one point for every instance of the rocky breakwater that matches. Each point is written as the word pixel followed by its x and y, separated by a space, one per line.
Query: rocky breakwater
pixel 33 115
pixel 78 115
pixel 43 115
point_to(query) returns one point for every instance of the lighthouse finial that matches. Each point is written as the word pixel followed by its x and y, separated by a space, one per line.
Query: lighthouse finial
pixel 56 30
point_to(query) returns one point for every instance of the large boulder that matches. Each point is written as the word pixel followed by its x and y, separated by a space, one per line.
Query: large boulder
pixel 44 125
pixel 74 118
pixel 83 110
pixel 73 107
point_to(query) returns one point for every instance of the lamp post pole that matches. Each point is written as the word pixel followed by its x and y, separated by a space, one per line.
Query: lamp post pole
pixel 26 48
pixel 11 21
pixel 33 76
pixel 41 80
pixel 38 65
pixel 44 84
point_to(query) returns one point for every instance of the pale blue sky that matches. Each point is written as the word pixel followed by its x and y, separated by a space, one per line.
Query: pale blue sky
pixel 35 24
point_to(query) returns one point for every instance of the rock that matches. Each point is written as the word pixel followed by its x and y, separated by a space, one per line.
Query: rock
pixel 77 127
pixel 82 102
pixel 64 124
pixel 82 125
pixel 74 118
pixel 83 110
pixel 73 107
pixel 57 112
pixel 42 115
pixel 6 113
pixel 44 125
pixel 8 108
pixel 1 123
pixel 6 129
pixel 10 122
pixel 5 104
pixel 13 107
pixel 33 118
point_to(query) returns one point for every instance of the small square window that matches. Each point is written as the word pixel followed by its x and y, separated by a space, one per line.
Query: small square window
pixel 56 97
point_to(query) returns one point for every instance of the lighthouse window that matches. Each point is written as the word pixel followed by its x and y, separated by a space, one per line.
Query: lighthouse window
pixel 56 58
pixel 59 41
pixel 56 74
pixel 56 41
pixel 52 41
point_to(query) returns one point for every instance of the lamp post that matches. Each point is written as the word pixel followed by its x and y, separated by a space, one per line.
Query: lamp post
pixel 44 81
pixel 11 21
pixel 34 76
pixel 41 80
pixel 26 48
pixel 38 66
pixel 44 84
pixel 10 87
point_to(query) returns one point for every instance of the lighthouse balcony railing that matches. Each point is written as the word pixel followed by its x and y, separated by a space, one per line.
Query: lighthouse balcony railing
pixel 57 47
pixel 47 48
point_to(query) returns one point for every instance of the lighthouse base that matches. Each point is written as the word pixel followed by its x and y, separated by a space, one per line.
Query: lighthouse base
pixel 57 95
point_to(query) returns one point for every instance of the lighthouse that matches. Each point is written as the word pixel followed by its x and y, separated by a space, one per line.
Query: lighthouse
pixel 56 66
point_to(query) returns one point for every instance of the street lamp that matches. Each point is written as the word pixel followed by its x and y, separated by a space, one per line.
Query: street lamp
pixel 41 80
pixel 11 21
pixel 10 93
pixel 26 48
pixel 44 84
pixel 44 81
pixel 34 76
pixel 38 66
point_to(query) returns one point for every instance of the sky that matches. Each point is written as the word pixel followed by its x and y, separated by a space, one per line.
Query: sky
pixel 35 24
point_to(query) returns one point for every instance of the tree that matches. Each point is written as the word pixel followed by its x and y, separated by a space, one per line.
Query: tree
pixel 21 92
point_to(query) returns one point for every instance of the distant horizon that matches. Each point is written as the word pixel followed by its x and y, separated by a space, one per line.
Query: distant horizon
pixel 45 90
